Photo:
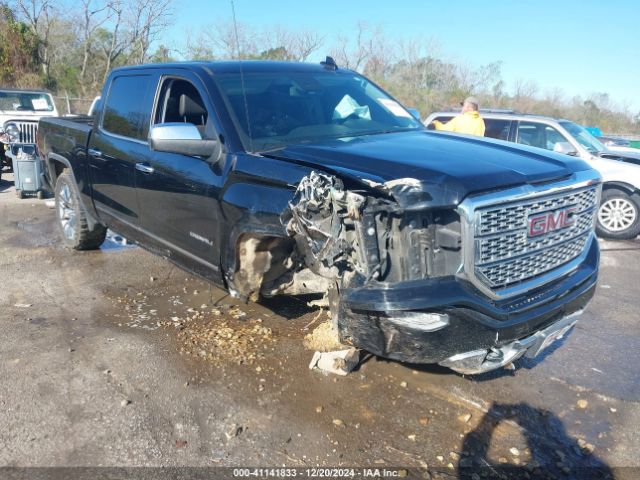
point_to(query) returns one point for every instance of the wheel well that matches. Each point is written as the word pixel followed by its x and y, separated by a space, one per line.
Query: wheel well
pixel 55 170
pixel 267 265
pixel 625 187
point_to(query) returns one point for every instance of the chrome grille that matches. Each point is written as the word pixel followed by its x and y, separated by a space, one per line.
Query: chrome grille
pixel 514 216
pixel 504 253
pixel 28 131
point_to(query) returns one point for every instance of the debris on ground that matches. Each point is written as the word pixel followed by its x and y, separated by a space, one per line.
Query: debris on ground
pixel 340 362
pixel 465 417
pixel 233 431
pixel 582 403
pixel 218 340
pixel 324 338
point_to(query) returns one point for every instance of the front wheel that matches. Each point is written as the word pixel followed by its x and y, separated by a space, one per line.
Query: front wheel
pixel 618 215
pixel 72 220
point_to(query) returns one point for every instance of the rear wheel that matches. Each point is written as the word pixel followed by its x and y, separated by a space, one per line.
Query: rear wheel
pixel 20 194
pixel 72 220
pixel 618 215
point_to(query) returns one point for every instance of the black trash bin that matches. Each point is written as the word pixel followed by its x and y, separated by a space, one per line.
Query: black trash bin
pixel 28 171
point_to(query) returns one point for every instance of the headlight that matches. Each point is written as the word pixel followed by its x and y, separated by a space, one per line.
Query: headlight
pixel 13 132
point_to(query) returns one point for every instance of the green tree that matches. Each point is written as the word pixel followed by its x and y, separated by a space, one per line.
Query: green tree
pixel 18 51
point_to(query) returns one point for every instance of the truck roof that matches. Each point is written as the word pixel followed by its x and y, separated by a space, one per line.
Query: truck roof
pixel 248 66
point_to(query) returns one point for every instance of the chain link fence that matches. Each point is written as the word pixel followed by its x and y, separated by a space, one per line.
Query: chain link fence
pixel 72 105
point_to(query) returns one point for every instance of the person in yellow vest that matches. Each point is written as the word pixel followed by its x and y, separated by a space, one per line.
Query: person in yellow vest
pixel 469 121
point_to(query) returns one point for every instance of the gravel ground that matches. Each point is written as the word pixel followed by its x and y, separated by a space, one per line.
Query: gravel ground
pixel 116 358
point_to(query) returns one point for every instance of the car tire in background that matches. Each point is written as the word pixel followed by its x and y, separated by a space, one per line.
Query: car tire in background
pixel 618 215
pixel 72 220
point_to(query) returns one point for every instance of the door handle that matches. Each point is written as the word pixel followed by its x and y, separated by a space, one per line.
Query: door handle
pixel 143 167
pixel 95 153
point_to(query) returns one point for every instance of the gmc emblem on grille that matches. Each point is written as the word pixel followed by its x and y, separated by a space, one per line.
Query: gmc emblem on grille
pixel 550 221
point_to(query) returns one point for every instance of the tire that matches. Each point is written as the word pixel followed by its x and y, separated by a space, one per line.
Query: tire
pixel 618 215
pixel 40 195
pixel 20 194
pixel 72 220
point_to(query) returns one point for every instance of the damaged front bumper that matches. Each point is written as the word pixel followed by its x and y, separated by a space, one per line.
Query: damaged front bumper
pixel 448 321
pixel 483 360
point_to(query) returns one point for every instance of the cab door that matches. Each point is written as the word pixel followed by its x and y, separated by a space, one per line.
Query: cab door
pixel 117 144
pixel 179 194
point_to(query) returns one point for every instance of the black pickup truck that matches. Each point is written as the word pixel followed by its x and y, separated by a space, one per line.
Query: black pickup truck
pixel 283 178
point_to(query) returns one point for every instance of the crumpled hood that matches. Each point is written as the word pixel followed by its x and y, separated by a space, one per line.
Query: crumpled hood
pixel 444 167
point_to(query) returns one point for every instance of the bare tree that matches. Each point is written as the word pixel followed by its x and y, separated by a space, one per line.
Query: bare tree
pixel 93 14
pixel 147 19
pixel 117 43
pixel 354 56
pixel 232 42
pixel 198 47
pixel 297 45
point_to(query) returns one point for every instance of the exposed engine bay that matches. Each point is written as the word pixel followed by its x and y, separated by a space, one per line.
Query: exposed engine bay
pixel 342 237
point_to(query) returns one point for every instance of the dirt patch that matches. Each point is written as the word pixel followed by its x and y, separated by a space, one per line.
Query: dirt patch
pixel 324 338
pixel 212 336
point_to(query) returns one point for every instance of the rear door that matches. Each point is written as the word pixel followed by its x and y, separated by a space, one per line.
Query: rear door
pixel 497 128
pixel 117 144
pixel 179 194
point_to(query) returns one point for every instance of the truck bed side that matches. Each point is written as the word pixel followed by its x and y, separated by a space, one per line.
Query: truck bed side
pixel 62 143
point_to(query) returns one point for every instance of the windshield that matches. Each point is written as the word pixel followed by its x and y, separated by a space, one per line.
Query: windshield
pixel 301 107
pixel 584 138
pixel 25 101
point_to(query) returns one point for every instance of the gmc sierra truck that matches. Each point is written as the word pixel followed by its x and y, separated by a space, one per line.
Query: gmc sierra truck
pixel 289 178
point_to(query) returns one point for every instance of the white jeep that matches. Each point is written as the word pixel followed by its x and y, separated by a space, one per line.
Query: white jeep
pixel 20 111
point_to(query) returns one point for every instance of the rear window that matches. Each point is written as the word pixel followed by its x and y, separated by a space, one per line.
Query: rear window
pixel 498 129
pixel 125 111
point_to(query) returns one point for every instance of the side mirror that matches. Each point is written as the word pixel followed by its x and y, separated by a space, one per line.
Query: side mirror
pixel 414 112
pixel 182 138
pixel 565 148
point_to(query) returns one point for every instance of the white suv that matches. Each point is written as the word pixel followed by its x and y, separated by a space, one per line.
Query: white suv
pixel 619 212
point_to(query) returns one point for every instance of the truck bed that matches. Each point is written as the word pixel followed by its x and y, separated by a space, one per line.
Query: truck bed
pixel 64 136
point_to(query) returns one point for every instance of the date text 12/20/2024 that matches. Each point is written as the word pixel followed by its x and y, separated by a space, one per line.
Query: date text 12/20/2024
pixel 320 472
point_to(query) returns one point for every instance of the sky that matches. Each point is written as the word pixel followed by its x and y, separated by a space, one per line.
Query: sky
pixel 578 46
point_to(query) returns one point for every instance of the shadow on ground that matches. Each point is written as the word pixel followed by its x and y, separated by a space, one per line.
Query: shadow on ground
pixel 550 452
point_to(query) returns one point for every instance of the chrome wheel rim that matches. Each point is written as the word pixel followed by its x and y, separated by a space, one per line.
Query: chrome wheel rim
pixel 67 212
pixel 617 214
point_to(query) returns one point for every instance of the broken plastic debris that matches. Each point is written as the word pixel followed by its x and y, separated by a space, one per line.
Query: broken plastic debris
pixel 340 362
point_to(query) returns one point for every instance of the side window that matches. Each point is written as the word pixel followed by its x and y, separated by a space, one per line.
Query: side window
pixel 530 133
pixel 553 137
pixel 124 112
pixel 495 128
pixel 179 101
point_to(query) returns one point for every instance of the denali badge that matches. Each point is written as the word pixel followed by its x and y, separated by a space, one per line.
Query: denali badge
pixel 200 238
pixel 546 222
